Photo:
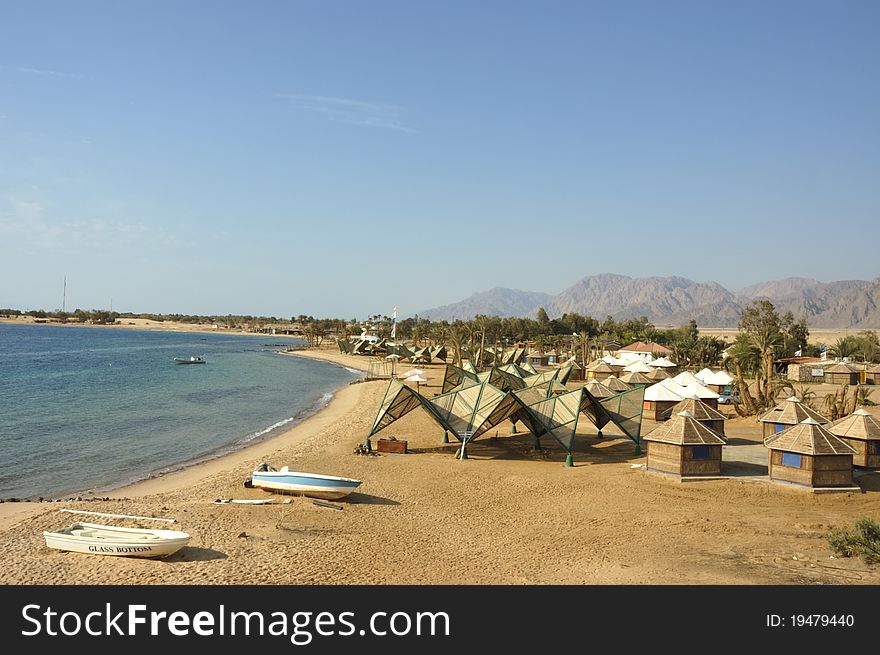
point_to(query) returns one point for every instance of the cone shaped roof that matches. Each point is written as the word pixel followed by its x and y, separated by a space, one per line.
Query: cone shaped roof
pixel 858 425
pixel 636 378
pixel 792 411
pixel 684 430
pixel 598 389
pixel 613 383
pixel 808 437
pixel 698 409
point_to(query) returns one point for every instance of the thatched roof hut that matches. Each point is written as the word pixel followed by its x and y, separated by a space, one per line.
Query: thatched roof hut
pixel 659 400
pixel 657 375
pixel 684 446
pixel 841 374
pixel 790 411
pixel 872 374
pixel 808 454
pixel 861 431
pixel 599 370
pixel 663 362
pixel 616 385
pixel 702 392
pixel 636 378
pixel 705 414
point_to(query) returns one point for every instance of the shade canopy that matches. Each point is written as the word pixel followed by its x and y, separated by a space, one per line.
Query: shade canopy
pixel 659 393
pixel 698 390
pixel 663 362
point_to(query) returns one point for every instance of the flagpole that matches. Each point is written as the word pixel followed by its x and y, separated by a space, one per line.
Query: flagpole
pixel 394 337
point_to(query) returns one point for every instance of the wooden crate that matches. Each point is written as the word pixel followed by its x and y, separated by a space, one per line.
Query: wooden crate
pixel 392 446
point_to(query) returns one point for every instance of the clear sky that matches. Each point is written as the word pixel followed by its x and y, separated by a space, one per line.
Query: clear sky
pixel 338 158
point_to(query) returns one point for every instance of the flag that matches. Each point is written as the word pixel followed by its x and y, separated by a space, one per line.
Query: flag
pixel 394 323
pixel 798 353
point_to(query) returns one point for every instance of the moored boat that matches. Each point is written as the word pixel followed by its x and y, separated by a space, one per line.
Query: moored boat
pixel 314 485
pixel 97 539
pixel 191 360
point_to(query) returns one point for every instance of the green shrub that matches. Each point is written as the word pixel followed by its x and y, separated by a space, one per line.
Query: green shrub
pixel 863 540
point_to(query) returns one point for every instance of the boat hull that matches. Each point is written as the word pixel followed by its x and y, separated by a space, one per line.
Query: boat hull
pixel 125 543
pixel 314 487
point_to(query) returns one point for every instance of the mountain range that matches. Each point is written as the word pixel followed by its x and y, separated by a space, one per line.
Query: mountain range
pixel 671 301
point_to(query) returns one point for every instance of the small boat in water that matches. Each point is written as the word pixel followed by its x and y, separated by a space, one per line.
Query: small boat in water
pixel 191 360
pixel 96 539
pixel 313 485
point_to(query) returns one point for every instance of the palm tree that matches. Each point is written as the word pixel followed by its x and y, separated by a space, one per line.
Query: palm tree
pixel 845 347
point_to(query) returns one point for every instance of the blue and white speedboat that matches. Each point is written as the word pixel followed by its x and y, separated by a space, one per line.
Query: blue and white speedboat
pixel 313 485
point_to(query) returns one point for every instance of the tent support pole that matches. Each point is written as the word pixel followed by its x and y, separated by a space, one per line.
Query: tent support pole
pixel 638 450
pixel 569 461
pixel 368 444
pixel 537 444
pixel 463 451
pixel 445 436
pixel 599 434
pixel 513 428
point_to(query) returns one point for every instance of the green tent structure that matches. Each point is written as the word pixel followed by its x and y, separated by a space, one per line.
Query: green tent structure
pixel 454 376
pixel 475 407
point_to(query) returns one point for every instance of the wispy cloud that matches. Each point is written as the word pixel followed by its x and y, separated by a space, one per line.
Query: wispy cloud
pixel 353 112
pixel 43 72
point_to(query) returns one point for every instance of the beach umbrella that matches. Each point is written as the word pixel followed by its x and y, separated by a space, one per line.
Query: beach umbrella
pixel 415 371
pixel 415 378
pixel 393 357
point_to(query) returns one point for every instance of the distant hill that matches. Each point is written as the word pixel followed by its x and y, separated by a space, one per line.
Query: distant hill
pixel 495 302
pixel 676 300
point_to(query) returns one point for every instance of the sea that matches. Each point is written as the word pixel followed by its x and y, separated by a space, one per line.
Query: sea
pixel 91 409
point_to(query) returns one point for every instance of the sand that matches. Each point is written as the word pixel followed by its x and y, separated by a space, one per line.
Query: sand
pixel 506 515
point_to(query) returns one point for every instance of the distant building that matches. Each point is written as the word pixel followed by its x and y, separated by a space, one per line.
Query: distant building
pixel 645 351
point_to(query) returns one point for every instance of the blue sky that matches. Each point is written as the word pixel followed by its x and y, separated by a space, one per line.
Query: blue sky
pixel 338 158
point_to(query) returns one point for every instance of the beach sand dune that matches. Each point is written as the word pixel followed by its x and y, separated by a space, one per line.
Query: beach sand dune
pixel 506 515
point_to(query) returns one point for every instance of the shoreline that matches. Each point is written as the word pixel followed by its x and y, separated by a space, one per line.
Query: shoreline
pixel 341 402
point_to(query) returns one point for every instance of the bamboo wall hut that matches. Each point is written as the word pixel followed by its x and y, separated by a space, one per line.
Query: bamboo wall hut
pixel 711 418
pixel 808 454
pixel 789 412
pixel 537 359
pixel 861 431
pixel 684 446
pixel 599 370
pixel 577 371
pixel 659 400
pixel 872 375
pixel 841 374
pixel 615 384
pixel 636 378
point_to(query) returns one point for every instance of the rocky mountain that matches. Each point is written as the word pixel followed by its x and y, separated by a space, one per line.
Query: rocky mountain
pixel 670 301
pixel 495 302
pixel 625 297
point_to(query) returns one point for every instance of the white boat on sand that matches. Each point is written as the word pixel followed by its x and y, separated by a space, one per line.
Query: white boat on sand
pixel 314 485
pixel 96 539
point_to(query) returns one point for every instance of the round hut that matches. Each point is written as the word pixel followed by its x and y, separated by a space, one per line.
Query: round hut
pixel 599 370
pixel 636 378
pixel 658 375
pixel 659 400
pixel 861 431
pixel 872 375
pixel 808 454
pixel 615 384
pixel 684 446
pixel 789 412
pixel 711 418
pixel 841 374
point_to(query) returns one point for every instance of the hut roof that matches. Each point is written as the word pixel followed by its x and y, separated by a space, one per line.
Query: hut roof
pixel 675 387
pixel 638 366
pixel 600 367
pixel 718 378
pixel 598 389
pixel 792 411
pixel 635 378
pixel 616 385
pixel 700 410
pixel 663 362
pixel 697 389
pixel 659 393
pixel 657 375
pixel 686 377
pixel 808 438
pixel 874 369
pixel 649 347
pixel 840 368
pixel 858 425
pixel 683 430
pixel 702 374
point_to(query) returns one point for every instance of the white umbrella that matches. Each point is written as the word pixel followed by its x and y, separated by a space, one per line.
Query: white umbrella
pixel 393 356
pixel 415 378
pixel 415 371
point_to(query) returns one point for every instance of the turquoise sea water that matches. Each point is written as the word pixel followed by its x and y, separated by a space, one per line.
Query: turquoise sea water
pixel 89 409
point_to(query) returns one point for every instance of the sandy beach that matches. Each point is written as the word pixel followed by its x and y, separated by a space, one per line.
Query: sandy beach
pixel 506 515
